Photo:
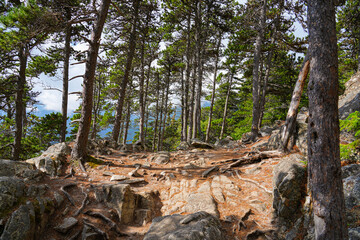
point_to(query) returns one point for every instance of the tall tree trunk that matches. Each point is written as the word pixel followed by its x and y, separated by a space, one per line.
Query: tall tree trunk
pixel 79 151
pixel 185 115
pixel 146 102
pixel 226 104
pixel 213 87
pixel 160 121
pixel 19 103
pixel 358 67
pixel 191 110
pixel 290 122
pixel 157 110
pixel 197 106
pixel 256 85
pixel 128 67
pixel 127 123
pixel 324 169
pixel 65 90
pixel 141 97
pixel 165 111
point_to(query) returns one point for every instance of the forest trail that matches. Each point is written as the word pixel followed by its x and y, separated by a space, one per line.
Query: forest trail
pixel 241 196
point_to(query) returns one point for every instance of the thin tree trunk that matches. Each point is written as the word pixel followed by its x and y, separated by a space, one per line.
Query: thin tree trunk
pixel 191 110
pixel 165 111
pixel 19 103
pixel 290 122
pixel 255 88
pixel 128 67
pixel 160 121
pixel 157 110
pixel 146 102
pixel 65 90
pixel 127 123
pixel 324 168
pixel 213 88
pixel 226 105
pixel 197 106
pixel 358 69
pixel 184 133
pixel 80 148
pixel 141 97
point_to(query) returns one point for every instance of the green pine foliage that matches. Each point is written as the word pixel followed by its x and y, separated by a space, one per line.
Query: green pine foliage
pixel 350 124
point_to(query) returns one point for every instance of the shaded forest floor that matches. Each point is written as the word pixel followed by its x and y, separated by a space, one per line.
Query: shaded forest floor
pixel 244 203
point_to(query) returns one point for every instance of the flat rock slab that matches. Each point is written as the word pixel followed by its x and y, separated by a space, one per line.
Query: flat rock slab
pixel 132 181
pixel 197 226
pixel 66 225
pixel 118 178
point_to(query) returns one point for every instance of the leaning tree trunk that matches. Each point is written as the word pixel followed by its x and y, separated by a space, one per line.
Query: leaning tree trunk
pixel 79 151
pixel 19 103
pixel 65 90
pixel 256 81
pixel 127 123
pixel 324 169
pixel 290 122
pixel 226 105
pixel 213 88
pixel 124 83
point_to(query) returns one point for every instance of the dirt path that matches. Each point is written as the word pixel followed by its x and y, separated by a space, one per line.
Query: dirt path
pixel 242 194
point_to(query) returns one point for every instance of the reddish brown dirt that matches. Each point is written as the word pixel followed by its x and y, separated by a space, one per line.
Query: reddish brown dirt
pixel 250 195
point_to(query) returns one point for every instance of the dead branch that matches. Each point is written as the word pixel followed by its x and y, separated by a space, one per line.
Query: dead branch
pixel 75 236
pixel 253 182
pixel 75 93
pixel 81 62
pixel 78 76
pixel 107 220
pixel 67 194
pixel 50 88
pixel 255 158
pixel 208 171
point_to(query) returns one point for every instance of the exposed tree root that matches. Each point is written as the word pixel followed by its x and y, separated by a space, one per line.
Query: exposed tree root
pixel 253 182
pixel 96 229
pixel 84 202
pixel 67 194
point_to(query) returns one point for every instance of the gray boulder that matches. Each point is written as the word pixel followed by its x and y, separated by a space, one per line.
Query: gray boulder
pixel 196 226
pixel 66 225
pixel 21 224
pixel 354 233
pixel 14 168
pixel 349 102
pixel 183 146
pixel 52 159
pixel 289 184
pixel 350 170
pixel 119 197
pixel 196 143
pixel 12 190
pixel 161 158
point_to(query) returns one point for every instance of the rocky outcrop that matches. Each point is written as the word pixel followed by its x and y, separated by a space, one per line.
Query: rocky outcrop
pixel 196 143
pixel 349 102
pixel 291 205
pixel 52 159
pixel 119 197
pixel 183 146
pixel 196 226
pixel 161 158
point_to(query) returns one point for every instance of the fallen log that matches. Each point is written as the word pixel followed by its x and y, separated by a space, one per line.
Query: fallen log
pixel 208 171
pixel 255 158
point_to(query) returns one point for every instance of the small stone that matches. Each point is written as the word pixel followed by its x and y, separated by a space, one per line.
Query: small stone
pixel 118 178
pixel 134 173
pixel 66 225
pixel 108 174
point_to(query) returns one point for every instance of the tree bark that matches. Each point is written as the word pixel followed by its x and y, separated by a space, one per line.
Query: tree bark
pixel 199 50
pixel 127 123
pixel 65 90
pixel 124 83
pixel 191 110
pixel 185 115
pixel 165 111
pixel 157 111
pixel 80 148
pixel 290 122
pixel 256 85
pixel 213 88
pixel 19 103
pixel 226 104
pixel 324 169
